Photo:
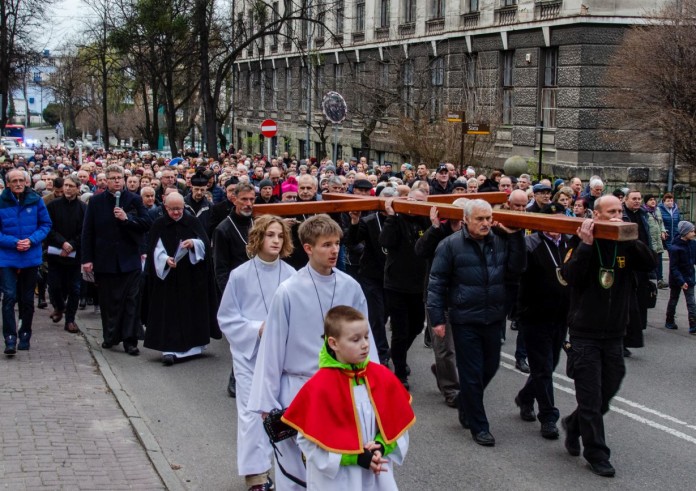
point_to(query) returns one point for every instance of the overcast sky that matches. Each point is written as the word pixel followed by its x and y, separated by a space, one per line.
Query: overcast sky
pixel 65 18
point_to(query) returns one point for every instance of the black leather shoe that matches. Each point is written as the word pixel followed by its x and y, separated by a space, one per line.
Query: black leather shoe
pixel 521 365
pixel 131 350
pixel 168 360
pixel 404 382
pixel 526 410
pixel 603 468
pixel 106 345
pixel 484 438
pixel 232 387
pixel 463 420
pixel 408 370
pixel 572 442
pixel 83 304
pixel 549 430
pixel 627 353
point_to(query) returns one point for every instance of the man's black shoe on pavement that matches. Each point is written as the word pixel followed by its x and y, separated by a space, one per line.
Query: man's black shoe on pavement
pixel 484 438
pixel 549 430
pixel 603 468
pixel 522 365
pixel 232 386
pixel 572 442
pixel 526 410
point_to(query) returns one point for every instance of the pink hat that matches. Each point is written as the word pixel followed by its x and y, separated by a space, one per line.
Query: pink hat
pixel 289 186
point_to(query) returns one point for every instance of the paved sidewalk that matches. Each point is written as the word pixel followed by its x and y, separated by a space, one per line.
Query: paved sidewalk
pixel 60 425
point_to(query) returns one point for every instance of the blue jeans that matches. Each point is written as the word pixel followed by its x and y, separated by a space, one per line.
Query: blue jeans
pixel 477 349
pixel 17 285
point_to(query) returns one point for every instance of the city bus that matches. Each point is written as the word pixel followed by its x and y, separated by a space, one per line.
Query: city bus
pixel 14 131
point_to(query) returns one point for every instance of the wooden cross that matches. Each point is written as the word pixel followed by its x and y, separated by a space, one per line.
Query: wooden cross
pixel 338 203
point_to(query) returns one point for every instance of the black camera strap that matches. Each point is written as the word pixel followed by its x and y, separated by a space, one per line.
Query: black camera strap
pixel 294 479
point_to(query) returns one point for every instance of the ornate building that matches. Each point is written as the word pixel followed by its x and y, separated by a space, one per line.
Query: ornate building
pixel 522 61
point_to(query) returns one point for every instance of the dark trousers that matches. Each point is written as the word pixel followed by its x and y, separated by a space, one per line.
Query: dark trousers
pixel 597 366
pixel 17 285
pixel 478 357
pixel 674 293
pixel 407 314
pixel 118 299
pixel 544 342
pixel 377 313
pixel 64 282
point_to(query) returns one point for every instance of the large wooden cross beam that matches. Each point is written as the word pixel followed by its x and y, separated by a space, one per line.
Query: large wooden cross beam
pixel 338 203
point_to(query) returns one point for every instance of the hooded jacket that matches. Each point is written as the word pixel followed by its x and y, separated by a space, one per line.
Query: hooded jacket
pixel 20 219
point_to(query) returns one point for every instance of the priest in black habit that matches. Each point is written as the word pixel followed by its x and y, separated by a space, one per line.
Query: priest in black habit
pixel 180 307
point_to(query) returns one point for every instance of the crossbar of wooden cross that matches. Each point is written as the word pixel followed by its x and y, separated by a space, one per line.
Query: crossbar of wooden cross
pixel 339 203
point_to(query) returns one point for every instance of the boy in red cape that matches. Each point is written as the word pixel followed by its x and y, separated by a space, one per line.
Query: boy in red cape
pixel 352 413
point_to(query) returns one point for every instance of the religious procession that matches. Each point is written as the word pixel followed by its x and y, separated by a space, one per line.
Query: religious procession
pixel 321 276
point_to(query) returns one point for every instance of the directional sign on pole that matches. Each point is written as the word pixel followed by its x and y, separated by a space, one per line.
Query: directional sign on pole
pixel 269 128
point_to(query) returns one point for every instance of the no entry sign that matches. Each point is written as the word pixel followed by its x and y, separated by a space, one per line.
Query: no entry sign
pixel 269 128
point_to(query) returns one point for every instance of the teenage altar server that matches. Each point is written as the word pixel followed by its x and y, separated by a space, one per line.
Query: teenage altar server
pixel 288 354
pixel 242 314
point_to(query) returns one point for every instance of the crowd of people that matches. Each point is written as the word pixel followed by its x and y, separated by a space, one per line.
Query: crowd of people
pixel 171 253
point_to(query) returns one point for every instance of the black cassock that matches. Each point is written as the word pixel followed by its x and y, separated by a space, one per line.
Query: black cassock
pixel 180 311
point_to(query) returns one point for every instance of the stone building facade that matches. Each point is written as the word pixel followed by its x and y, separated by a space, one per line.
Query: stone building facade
pixel 523 61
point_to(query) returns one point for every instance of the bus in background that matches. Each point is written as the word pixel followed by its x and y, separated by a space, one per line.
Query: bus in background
pixel 14 131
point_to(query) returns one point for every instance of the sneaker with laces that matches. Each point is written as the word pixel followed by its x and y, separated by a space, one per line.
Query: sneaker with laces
pixel 24 341
pixel 10 345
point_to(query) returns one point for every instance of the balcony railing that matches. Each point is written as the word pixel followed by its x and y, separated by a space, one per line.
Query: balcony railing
pixel 382 32
pixel 359 37
pixel 547 9
pixel 407 29
pixel 435 25
pixel 470 20
pixel 506 15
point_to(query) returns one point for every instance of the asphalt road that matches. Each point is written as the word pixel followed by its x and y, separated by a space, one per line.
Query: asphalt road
pixel 651 428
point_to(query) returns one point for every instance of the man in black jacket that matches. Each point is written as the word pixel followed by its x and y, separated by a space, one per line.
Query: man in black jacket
pixel 220 211
pixel 404 278
pixel 542 309
pixel 600 274
pixel 468 282
pixel 112 235
pixel 63 241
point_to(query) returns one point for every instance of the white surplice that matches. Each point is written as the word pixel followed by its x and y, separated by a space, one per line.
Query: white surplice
pixel 243 309
pixel 324 469
pixel 289 350
pixel 196 254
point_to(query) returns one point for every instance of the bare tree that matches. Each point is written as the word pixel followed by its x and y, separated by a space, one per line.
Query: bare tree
pixel 653 91
pixel 19 19
pixel 70 85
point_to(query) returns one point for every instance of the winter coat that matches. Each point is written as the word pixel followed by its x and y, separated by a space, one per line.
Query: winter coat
pixel 655 229
pixel 22 219
pixel 681 264
pixel 670 219
pixel 469 277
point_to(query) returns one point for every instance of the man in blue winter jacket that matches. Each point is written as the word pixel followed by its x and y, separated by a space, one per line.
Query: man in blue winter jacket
pixel 24 224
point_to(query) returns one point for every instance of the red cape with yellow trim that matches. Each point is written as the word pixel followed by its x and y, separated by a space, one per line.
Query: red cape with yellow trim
pixel 324 410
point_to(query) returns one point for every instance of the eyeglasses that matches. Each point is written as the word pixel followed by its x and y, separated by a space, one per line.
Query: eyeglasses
pixel 117 178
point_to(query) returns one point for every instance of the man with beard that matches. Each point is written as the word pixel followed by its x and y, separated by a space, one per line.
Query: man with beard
pixel 196 202
pixel 230 239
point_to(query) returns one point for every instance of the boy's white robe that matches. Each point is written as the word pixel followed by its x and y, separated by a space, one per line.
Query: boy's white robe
pixel 241 313
pixel 289 350
pixel 324 470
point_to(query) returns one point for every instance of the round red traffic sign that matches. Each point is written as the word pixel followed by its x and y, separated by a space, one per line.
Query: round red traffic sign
pixel 269 128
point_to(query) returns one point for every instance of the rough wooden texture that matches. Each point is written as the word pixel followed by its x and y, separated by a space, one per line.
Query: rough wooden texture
pixel 492 198
pixel 534 221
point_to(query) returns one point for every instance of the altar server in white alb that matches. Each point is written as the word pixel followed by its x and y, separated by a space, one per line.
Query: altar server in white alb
pixel 242 314
pixel 353 415
pixel 292 339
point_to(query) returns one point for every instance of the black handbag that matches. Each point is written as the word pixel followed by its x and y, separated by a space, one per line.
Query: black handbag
pixel 650 295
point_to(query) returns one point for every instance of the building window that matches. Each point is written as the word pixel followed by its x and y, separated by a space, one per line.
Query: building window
pixel 321 17
pixel 274 89
pixel 360 17
pixel 339 19
pixel 383 13
pixel 338 77
pixel 318 86
pixel 247 88
pixel 470 83
pixel 473 5
pixel 437 80
pixel 407 87
pixel 303 89
pixel 384 75
pixel 288 89
pixel 437 9
pixel 409 11
pixel 276 18
pixel 507 63
pixel 287 9
pixel 262 89
pixel 359 77
pixel 548 86
pixel 507 3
